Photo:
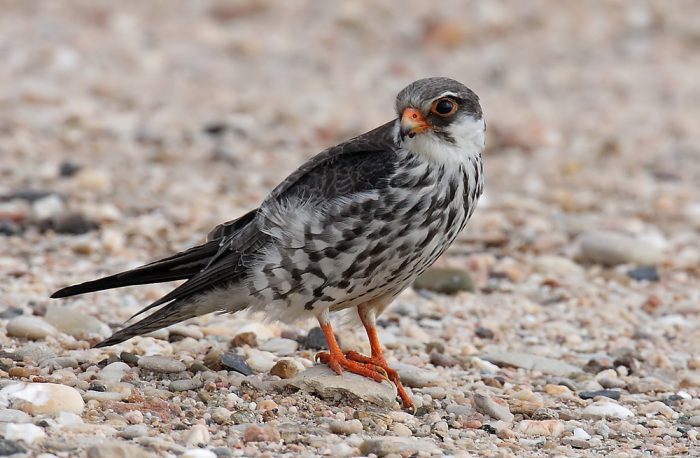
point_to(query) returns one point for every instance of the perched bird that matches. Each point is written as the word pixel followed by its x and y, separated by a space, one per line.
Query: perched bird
pixel 351 228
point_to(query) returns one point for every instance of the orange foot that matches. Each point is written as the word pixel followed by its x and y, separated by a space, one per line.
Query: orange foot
pixel 338 362
pixel 374 368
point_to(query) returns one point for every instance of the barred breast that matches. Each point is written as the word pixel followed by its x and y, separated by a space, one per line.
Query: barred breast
pixel 353 249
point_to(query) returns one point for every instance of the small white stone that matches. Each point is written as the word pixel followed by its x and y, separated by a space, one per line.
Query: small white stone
pixel 30 327
pixel 42 398
pixel 260 361
pixel 280 346
pixel 580 433
pixel 26 432
pixel 658 408
pixel 198 453
pixel 161 364
pixel 401 430
pixel 484 366
pixel 416 377
pixel 48 206
pixel 113 373
pixel 17 416
pixel 342 450
pixel 605 409
pixel 134 417
pixel 346 427
pixel 75 322
pixel 261 331
pixel 611 248
pixel 493 407
pixel 197 435
pixel 68 418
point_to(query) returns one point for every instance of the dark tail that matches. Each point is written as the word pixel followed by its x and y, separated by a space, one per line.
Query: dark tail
pixel 172 313
pixel 180 266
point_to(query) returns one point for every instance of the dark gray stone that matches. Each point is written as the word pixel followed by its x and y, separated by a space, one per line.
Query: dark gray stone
pixel 445 280
pixel 612 394
pixel 236 362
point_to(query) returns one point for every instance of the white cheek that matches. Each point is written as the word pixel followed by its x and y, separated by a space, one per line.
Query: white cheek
pixel 468 134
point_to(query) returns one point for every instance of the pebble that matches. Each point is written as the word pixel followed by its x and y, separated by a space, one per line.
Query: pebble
pixel 8 447
pixel 285 368
pixel 525 402
pixel 493 407
pixel 346 427
pixel 112 449
pixel 129 358
pixel 603 409
pixel 694 420
pixel 198 453
pixel 30 327
pixel 280 346
pixel 72 223
pixel 658 408
pixel 558 266
pixel 612 248
pixel 104 396
pixel 315 340
pixel 245 338
pixel 644 273
pixel 445 280
pixel 416 377
pixel 17 416
pixel 75 322
pixel 60 362
pixel 322 380
pixel 342 450
pixel 545 428
pixel 260 361
pixel 531 362
pixel 36 353
pixel 133 417
pixel 114 372
pixel 576 443
pixel 186 331
pixel 42 398
pixel 185 384
pixel 26 432
pixel 161 364
pixel 221 416
pixel 254 433
pixel 401 430
pixel 236 362
pixel 197 435
pixel 612 394
pixel 398 446
pixel 47 207
pixel 134 431
pixel 580 433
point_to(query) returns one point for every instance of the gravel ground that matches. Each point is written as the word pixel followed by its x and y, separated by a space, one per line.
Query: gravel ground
pixel 128 129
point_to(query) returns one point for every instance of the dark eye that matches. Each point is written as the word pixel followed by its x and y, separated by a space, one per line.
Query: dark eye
pixel 444 107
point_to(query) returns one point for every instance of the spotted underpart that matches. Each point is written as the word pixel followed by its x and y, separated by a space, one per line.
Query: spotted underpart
pixel 362 246
pixel 354 225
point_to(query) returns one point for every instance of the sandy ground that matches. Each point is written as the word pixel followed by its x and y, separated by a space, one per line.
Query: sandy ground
pixel 129 129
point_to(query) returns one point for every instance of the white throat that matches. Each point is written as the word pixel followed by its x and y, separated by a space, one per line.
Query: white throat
pixel 468 135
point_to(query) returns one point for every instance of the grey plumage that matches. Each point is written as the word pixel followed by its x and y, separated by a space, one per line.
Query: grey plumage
pixel 355 224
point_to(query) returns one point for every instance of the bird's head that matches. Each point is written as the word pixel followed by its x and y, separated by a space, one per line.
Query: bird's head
pixel 440 118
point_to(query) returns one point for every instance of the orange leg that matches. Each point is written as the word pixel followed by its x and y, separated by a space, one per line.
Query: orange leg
pixel 368 319
pixel 374 367
pixel 337 361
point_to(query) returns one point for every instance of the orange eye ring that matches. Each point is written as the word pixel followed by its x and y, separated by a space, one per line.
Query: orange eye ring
pixel 444 107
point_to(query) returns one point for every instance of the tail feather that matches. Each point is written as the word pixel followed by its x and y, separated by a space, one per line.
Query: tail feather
pixel 180 266
pixel 170 314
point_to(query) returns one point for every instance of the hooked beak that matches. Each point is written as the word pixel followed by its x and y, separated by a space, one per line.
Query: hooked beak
pixel 412 123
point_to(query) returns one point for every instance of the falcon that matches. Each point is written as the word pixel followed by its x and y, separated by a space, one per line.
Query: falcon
pixel 350 229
